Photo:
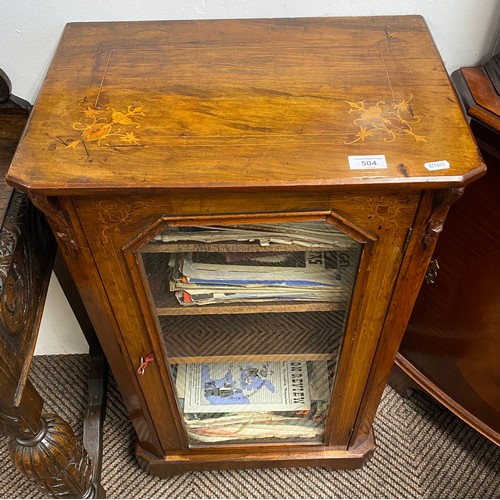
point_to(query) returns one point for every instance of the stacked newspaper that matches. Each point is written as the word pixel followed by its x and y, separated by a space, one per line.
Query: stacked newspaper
pixel 306 234
pixel 254 400
pixel 208 277
pixel 323 271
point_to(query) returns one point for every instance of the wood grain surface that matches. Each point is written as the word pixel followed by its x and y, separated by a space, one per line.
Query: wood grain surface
pixel 255 103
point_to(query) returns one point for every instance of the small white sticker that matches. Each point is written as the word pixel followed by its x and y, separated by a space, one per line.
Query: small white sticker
pixel 437 165
pixel 367 162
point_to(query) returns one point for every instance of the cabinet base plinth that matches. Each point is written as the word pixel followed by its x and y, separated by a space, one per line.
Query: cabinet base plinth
pixel 226 458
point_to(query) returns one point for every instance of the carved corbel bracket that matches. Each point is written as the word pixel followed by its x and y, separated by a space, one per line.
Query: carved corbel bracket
pixel 440 205
pixel 59 221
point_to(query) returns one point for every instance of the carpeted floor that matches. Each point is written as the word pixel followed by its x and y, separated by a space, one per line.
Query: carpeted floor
pixel 423 451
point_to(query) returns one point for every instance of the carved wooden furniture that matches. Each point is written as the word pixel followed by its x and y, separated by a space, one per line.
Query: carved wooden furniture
pixel 171 157
pixel 43 446
pixel 452 346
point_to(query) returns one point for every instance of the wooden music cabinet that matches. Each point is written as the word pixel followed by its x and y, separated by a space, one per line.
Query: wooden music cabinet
pixel 248 208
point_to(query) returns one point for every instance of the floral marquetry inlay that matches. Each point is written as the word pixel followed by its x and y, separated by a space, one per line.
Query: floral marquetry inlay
pixel 382 119
pixel 113 213
pixel 109 127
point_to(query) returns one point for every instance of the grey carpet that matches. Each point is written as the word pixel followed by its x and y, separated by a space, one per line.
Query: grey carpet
pixel 423 451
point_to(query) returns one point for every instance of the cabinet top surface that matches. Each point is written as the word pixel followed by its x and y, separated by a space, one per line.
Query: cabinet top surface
pixel 245 103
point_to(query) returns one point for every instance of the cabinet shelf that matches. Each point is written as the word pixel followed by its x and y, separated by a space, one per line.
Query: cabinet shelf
pixel 167 305
pixel 252 358
pixel 234 246
pixel 305 336
pixel 343 242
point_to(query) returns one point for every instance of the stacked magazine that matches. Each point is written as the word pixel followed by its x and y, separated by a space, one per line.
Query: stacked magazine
pixel 306 234
pixel 254 400
pixel 322 271
pixel 207 278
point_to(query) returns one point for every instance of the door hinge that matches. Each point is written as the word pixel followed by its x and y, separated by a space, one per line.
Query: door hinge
pixel 351 432
pixel 407 239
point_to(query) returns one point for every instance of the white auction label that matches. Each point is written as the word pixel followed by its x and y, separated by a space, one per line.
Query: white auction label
pixel 367 162
pixel 437 165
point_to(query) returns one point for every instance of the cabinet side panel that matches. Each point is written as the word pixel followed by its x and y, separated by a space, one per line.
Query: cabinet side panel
pixel 388 217
pixel 428 224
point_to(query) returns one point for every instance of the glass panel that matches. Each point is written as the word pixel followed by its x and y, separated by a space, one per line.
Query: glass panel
pixel 252 317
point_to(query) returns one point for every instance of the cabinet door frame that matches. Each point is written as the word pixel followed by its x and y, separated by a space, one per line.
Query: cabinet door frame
pixel 133 248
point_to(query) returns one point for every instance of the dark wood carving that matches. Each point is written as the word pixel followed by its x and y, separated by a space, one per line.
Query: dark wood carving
pixel 8 101
pixel 4 87
pixel 58 464
pixel 58 220
pixel 42 446
pixel 440 206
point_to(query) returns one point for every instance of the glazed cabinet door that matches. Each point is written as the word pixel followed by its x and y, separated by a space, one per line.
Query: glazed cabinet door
pixel 253 327
pixel 251 312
